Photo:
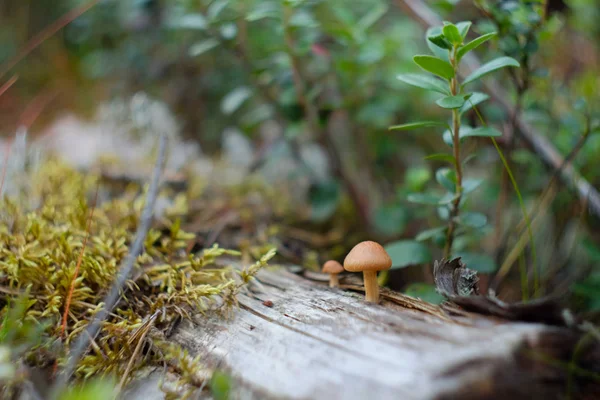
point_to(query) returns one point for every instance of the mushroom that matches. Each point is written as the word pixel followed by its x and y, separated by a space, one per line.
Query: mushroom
pixel 368 257
pixel 333 268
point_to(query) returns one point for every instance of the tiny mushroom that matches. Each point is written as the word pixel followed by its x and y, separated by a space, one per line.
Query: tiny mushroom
pixel 368 257
pixel 333 268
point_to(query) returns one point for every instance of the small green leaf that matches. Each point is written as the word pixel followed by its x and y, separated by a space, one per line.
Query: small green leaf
pixel 415 125
pixel 478 262
pixel 463 28
pixel 435 66
pixel 452 33
pixel 234 99
pixel 442 157
pixel 262 11
pixel 431 233
pixel 466 131
pixel 215 9
pixel 451 102
pixel 470 184
pixel 220 385
pixel 415 178
pixel 472 219
pixel 474 100
pixel 405 253
pixel 191 21
pixel 391 219
pixel 440 41
pixel 482 131
pixel 447 178
pixel 430 199
pixel 494 65
pixel 437 51
pixel 473 44
pixel 372 17
pixel 202 47
pixel 425 82
pixel 425 292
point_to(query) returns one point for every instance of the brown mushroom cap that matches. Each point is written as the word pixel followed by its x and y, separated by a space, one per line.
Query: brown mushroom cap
pixel 332 267
pixel 367 256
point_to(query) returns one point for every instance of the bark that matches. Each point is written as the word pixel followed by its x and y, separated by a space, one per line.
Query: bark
pixel 298 339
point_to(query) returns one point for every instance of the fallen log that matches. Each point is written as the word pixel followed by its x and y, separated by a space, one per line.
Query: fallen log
pixel 298 339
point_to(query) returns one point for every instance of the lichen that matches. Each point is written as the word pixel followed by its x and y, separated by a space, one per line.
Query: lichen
pixel 39 252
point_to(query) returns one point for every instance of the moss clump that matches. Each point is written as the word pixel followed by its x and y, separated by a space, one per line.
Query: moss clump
pixel 39 252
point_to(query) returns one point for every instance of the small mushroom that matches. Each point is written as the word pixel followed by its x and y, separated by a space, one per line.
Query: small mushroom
pixel 368 257
pixel 333 268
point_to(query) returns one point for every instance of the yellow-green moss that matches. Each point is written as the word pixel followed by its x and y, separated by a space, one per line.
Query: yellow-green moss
pixel 39 250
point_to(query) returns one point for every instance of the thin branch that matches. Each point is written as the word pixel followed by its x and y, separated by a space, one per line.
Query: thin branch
pixel 538 143
pixel 77 267
pixel 83 340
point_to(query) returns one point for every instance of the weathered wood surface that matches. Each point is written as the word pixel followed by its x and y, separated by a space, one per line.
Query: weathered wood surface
pixel 320 343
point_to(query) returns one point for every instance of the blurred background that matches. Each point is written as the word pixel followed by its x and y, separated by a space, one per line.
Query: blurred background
pixel 300 95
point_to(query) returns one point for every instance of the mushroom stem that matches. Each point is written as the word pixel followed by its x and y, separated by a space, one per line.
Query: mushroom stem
pixel 371 286
pixel 334 280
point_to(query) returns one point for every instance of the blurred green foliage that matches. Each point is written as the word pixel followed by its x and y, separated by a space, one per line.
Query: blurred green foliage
pixel 305 63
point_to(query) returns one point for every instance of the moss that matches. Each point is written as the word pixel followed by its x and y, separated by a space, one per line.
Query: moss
pixel 39 252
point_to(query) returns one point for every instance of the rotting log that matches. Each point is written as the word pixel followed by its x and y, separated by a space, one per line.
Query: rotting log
pixel 293 338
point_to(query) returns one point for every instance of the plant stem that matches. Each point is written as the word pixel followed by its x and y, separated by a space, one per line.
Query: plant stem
pixel 454 89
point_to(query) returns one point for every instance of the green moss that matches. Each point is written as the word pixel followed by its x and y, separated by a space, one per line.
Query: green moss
pixel 39 252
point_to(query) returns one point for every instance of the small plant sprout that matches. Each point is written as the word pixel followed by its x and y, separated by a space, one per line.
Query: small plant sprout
pixel 448 45
pixel 369 258
pixel 333 268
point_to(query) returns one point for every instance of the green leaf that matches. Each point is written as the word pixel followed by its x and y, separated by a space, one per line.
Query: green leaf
pixel 441 157
pixel 447 178
pixel 473 44
pixel 372 17
pixel 96 389
pixel 452 33
pixel 435 66
pixel 215 9
pixel 463 28
pixel 472 219
pixel 494 65
pixel 425 82
pixel 440 41
pixel 202 47
pixel 451 102
pixel 474 100
pixel 415 125
pixel 478 262
pixel 262 11
pixel 220 385
pixel 482 131
pixel 415 178
pixel 430 199
pixel 439 52
pixel 431 233
pixel 191 21
pixel 391 219
pixel 234 99
pixel 405 253
pixel 466 131
pixel 425 292
pixel 470 184
pixel 324 199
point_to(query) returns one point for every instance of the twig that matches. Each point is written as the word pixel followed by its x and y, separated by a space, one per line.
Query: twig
pixel 539 144
pixel 46 34
pixel 8 84
pixel 79 260
pixel 111 299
